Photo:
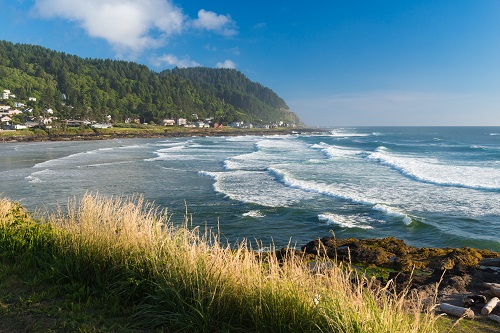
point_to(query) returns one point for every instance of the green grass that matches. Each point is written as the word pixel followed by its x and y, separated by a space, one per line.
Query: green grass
pixel 112 264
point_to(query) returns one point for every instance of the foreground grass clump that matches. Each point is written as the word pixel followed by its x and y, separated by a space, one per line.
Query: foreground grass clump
pixel 127 255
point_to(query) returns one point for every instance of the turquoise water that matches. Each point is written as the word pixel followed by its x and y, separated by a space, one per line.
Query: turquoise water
pixel 431 186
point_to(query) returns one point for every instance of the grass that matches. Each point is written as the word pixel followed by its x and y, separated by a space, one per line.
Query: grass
pixel 112 264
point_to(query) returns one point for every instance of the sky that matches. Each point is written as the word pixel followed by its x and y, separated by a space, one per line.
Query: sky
pixel 335 63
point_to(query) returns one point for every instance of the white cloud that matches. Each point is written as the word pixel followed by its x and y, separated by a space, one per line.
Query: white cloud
pixel 132 26
pixel 126 24
pixel 172 60
pixel 222 24
pixel 226 64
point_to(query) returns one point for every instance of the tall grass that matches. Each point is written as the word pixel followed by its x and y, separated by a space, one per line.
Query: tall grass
pixel 185 279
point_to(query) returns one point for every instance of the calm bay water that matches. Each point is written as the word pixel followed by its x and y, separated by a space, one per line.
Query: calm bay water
pixel 431 186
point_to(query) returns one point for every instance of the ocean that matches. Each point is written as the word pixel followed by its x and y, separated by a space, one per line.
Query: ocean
pixel 430 186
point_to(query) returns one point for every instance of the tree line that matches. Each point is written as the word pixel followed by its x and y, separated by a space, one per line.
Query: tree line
pixel 86 88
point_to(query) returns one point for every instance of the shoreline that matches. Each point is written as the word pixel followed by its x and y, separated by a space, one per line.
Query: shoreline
pixel 131 133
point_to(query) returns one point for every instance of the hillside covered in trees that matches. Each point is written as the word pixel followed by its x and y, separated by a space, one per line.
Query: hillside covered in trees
pixel 92 89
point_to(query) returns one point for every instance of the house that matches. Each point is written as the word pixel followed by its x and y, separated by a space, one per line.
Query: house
pixel 32 99
pixel 4 108
pixel 19 104
pixel 202 124
pixel 76 123
pixel 168 122
pixel 31 124
pixel 181 121
pixel 11 112
pixel 99 126
pixel 236 124
pixel 45 121
pixel 5 94
pixel 48 111
pixel 5 119
pixel 18 127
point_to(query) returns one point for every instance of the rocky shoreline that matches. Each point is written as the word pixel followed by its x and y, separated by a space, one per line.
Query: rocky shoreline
pixel 461 277
pixel 108 135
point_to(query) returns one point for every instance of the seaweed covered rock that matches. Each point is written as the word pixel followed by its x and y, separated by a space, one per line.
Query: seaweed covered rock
pixel 408 266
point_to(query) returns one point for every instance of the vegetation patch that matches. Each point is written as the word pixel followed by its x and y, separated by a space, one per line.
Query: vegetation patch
pixel 112 264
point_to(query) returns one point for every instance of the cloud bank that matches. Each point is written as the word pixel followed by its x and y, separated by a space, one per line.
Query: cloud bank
pixel 132 26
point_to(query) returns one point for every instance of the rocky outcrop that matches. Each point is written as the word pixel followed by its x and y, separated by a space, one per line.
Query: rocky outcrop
pixel 458 273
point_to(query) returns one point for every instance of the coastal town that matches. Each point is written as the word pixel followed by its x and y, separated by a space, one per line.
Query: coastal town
pixel 19 115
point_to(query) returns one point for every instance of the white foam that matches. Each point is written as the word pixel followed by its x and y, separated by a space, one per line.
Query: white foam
pixel 65 159
pixel 394 212
pixel 319 188
pixel 343 221
pixel 335 151
pixel 249 138
pixel 35 177
pixel 281 144
pixel 433 171
pixel 344 194
pixel 341 133
pixel 254 187
pixel 254 214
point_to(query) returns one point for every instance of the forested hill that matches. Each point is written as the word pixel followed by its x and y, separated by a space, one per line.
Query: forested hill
pixel 81 88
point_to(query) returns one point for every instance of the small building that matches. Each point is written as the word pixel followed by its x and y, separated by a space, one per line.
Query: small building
pixel 45 121
pixel 4 108
pixel 202 124
pixel 6 94
pixel 100 126
pixel 75 123
pixel 32 99
pixel 168 122
pixel 236 124
pixel 181 121
pixel 32 124
pixel 5 119
pixel 18 127
pixel 48 111
pixel 19 104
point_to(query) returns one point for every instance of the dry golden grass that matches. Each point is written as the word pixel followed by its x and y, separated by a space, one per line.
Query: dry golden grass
pixel 186 279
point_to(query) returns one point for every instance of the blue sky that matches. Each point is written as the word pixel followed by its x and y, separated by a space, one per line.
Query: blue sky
pixel 336 63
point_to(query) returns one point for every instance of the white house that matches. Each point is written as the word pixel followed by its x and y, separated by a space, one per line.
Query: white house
pixel 4 108
pixel 45 121
pixel 19 104
pixel 168 122
pixel 49 111
pixel 32 99
pixel 101 125
pixel 5 94
pixel 5 119
pixel 181 121
pixel 18 127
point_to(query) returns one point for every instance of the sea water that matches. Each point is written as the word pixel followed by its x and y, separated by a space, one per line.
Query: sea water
pixel 430 186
